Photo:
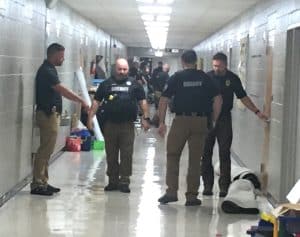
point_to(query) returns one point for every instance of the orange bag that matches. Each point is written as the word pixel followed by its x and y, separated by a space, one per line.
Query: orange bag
pixel 73 143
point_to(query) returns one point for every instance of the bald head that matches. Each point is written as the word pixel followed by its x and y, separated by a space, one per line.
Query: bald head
pixel 122 68
pixel 166 67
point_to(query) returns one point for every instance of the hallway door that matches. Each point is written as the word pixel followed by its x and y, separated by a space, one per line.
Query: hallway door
pixel 290 143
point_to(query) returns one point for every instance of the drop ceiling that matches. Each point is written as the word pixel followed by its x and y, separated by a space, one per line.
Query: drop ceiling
pixel 191 20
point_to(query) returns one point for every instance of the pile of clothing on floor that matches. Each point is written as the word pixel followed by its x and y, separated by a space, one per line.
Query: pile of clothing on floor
pixel 241 197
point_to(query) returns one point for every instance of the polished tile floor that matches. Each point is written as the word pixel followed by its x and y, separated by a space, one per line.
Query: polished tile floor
pixel 84 209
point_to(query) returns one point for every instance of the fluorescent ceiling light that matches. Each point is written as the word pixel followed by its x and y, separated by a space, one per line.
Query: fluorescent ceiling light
pixel 156 24
pixel 158 41
pixel 165 2
pixel 158 53
pixel 145 1
pixel 148 17
pixel 156 30
pixel 155 10
pixel 163 18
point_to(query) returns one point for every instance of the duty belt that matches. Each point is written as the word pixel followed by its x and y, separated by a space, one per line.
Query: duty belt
pixel 194 114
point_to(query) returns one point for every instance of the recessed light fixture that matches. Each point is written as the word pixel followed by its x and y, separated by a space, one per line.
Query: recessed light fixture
pixel 156 17
pixel 163 18
pixel 165 2
pixel 163 10
pixel 158 53
pixel 156 24
pixel 148 17
pixel 146 1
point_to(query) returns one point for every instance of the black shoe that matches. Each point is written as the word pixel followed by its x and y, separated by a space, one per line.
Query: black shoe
pixel 232 208
pixel 41 191
pixel 207 193
pixel 222 194
pixel 53 189
pixel 124 188
pixel 111 187
pixel 166 198
pixel 194 202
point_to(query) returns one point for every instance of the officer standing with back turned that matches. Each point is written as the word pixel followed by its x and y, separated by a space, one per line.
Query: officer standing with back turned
pixel 193 93
pixel 118 97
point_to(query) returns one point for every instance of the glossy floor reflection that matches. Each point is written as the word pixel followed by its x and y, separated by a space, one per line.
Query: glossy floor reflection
pixel 84 209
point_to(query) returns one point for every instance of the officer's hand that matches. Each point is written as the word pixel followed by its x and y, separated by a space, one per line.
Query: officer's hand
pixel 263 116
pixel 162 129
pixel 213 124
pixel 145 124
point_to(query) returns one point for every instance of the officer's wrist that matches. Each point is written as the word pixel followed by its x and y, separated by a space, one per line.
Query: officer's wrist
pixel 146 119
pixel 257 111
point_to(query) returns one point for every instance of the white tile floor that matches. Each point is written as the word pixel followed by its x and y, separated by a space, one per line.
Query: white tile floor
pixel 84 209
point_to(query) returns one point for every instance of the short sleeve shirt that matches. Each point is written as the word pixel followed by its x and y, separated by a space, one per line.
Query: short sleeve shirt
pixel 229 84
pixel 46 96
pixel 160 81
pixel 193 91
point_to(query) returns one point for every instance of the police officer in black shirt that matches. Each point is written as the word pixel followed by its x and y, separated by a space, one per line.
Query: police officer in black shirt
pixel 228 84
pixel 158 84
pixel 118 97
pixel 49 92
pixel 193 93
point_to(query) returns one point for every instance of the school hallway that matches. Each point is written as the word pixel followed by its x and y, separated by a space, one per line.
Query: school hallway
pixel 82 208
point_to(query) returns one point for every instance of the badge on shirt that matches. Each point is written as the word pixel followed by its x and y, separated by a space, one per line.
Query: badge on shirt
pixel 128 83
pixel 227 82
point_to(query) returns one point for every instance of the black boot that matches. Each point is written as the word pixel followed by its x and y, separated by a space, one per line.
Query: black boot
pixel 167 198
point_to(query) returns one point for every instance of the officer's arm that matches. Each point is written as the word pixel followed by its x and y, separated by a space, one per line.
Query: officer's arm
pixel 92 113
pixel 251 106
pixel 94 108
pixel 65 92
pixel 144 107
pixel 162 109
pixel 217 106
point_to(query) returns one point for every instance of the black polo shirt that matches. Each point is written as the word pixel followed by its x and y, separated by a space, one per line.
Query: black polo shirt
pixel 193 91
pixel 228 85
pixel 46 96
pixel 159 82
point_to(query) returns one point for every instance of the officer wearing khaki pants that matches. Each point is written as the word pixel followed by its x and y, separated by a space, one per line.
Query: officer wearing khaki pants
pixel 193 93
pixel 49 92
pixel 118 97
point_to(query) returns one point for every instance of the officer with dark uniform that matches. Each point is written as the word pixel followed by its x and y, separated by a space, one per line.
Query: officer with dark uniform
pixel 49 92
pixel 119 96
pixel 158 84
pixel 193 93
pixel 228 84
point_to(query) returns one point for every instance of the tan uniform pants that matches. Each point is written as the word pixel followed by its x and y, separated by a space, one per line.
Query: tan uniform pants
pixel 119 138
pixel 191 129
pixel 48 133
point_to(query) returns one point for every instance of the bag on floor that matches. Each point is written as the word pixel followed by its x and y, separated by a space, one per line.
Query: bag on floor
pixel 73 143
pixel 86 139
pixel 86 143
